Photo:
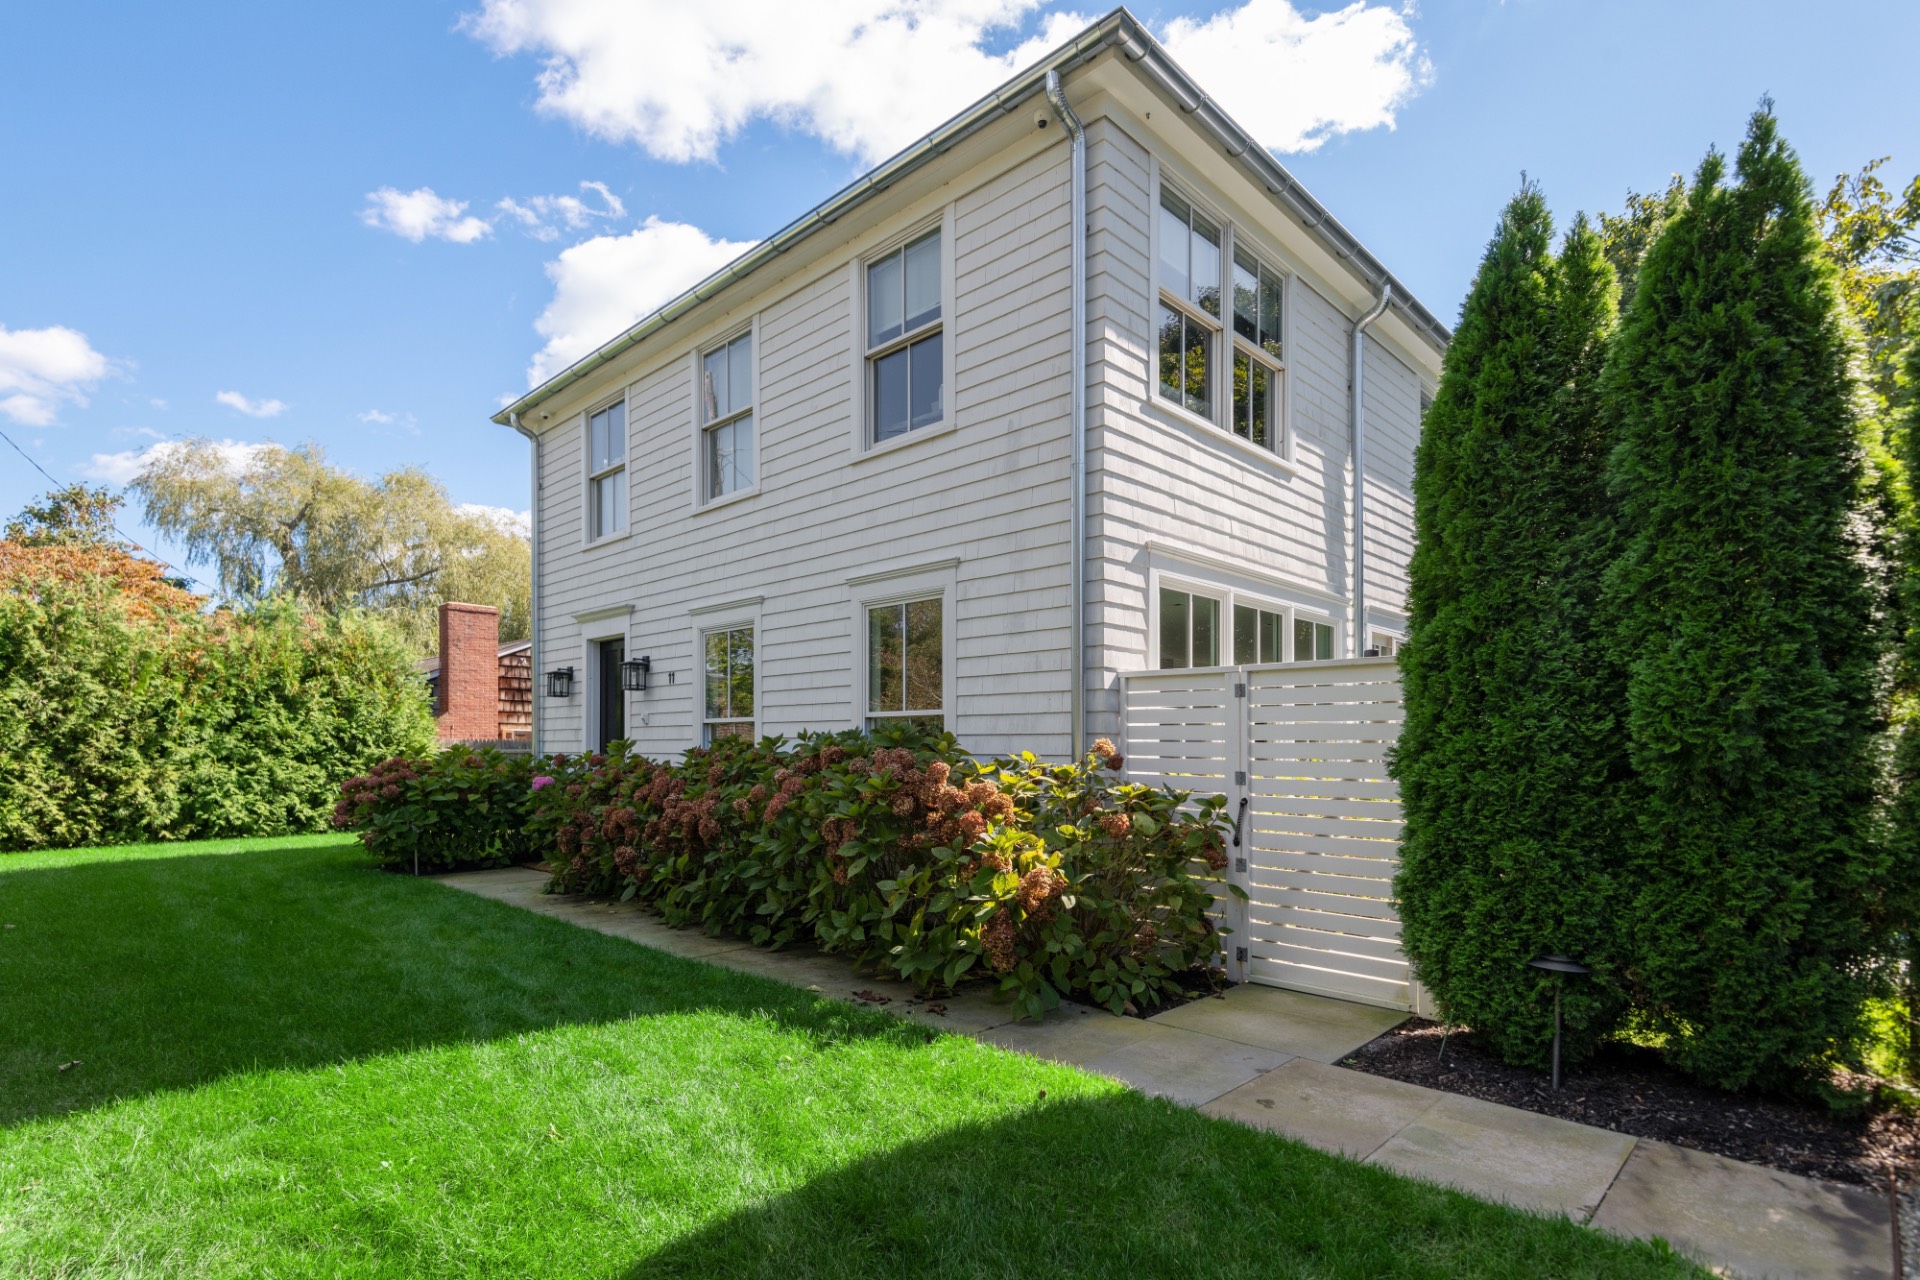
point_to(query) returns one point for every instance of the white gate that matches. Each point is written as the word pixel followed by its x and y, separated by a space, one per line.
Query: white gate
pixel 1299 750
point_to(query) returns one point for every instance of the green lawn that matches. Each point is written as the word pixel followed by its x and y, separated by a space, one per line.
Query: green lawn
pixel 292 1065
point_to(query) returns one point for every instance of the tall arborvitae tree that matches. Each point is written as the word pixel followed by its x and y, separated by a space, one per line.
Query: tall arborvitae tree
pixel 1903 905
pixel 1509 749
pixel 1743 618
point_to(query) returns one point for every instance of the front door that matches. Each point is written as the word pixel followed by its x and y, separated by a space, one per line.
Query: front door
pixel 613 700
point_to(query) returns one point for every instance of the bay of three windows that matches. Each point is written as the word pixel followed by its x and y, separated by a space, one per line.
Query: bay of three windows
pixel 1192 331
pixel 1192 632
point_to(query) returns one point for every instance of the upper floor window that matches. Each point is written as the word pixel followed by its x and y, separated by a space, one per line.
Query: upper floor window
pixel 729 692
pixel 1258 362
pixel 1189 311
pixel 906 354
pixel 607 471
pixel 905 662
pixel 726 417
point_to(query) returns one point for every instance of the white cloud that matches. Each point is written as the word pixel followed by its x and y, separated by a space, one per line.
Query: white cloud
pixel 252 408
pixel 543 217
pixel 121 468
pixel 1295 81
pixel 41 369
pixel 419 213
pixel 601 286
pixel 376 415
pixel 506 519
pixel 870 76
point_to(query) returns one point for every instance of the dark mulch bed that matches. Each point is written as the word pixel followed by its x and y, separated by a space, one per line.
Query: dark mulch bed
pixel 1629 1090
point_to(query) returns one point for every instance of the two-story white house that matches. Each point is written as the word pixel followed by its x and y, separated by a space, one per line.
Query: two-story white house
pixel 1081 383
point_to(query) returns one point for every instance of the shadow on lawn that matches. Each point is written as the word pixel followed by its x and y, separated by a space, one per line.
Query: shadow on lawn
pixel 171 972
pixel 1123 1186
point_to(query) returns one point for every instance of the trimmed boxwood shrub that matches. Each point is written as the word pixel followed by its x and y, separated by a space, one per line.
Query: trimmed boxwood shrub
pixel 892 847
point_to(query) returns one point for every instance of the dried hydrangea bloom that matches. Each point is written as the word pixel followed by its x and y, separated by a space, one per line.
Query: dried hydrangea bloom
pixel 997 939
pixel 1116 825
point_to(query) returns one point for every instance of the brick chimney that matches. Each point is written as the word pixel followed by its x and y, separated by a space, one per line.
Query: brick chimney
pixel 469 700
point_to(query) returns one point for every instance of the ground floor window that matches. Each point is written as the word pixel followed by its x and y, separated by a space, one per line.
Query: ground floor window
pixel 1191 630
pixel 1257 634
pixel 729 679
pixel 906 662
pixel 1311 640
pixel 1384 644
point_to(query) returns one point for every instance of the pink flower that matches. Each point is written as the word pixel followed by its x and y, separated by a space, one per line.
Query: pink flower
pixel 542 781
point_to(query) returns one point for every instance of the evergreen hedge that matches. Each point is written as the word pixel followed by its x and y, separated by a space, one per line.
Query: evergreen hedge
pixel 1742 613
pixel 1509 746
pixel 127 715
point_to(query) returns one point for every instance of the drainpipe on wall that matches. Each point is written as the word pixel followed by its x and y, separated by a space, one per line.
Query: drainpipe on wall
pixel 1357 645
pixel 533 538
pixel 1076 507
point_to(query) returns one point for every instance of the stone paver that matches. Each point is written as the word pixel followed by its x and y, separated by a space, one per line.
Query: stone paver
pixel 1503 1153
pixel 1185 1066
pixel 1264 1057
pixel 1326 1107
pixel 1291 1022
pixel 1750 1221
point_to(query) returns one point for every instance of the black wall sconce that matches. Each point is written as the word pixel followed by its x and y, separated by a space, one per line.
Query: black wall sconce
pixel 633 674
pixel 560 682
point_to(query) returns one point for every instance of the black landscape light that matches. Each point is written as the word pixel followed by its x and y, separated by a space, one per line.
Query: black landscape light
pixel 560 682
pixel 1558 966
pixel 633 674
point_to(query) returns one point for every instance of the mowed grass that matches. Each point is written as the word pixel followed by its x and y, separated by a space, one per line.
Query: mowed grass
pixel 289 1064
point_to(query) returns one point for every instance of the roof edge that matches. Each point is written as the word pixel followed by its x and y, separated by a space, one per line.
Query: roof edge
pixel 1120 30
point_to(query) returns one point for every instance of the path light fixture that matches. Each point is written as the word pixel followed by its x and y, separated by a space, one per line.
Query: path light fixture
pixel 560 682
pixel 633 674
pixel 1559 967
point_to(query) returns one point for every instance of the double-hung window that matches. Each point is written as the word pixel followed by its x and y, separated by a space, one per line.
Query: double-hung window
pixel 1189 310
pixel 905 662
pixel 607 471
pixel 726 417
pixel 729 692
pixel 906 352
pixel 1259 370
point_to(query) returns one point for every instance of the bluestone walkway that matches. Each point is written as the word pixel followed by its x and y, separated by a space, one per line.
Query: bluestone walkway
pixel 1267 1058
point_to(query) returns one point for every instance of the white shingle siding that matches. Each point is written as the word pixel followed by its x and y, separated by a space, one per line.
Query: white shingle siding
pixel 990 494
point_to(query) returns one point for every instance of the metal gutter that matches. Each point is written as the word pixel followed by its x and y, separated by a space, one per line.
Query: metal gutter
pixel 1359 645
pixel 533 542
pixel 1119 30
pixel 1077 503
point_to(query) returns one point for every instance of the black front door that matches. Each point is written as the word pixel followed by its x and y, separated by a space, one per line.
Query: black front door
pixel 613 700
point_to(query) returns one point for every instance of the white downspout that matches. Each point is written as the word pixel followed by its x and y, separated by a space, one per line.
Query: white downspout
pixel 1357 645
pixel 533 539
pixel 1077 503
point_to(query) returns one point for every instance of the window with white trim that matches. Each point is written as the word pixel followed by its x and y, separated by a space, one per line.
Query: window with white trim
pixel 607 471
pixel 1385 643
pixel 1311 640
pixel 1258 634
pixel 729 683
pixel 1189 629
pixel 906 352
pixel 1259 369
pixel 726 417
pixel 906 662
pixel 1189 311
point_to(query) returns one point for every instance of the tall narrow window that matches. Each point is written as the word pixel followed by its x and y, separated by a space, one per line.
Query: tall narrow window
pixel 1258 366
pixel 729 662
pixel 607 471
pixel 906 355
pixel 906 662
pixel 726 416
pixel 1189 313
pixel 1257 634
pixel 1311 640
pixel 1189 629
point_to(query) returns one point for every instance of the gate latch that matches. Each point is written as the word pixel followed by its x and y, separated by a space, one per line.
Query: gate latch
pixel 1240 954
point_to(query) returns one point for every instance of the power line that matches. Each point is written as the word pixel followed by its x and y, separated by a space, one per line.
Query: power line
pixel 162 561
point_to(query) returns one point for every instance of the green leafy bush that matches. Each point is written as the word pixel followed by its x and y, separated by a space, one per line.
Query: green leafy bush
pixel 128 715
pixel 445 812
pixel 891 847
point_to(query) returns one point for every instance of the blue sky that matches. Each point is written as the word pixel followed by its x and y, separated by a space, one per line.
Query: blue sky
pixel 195 239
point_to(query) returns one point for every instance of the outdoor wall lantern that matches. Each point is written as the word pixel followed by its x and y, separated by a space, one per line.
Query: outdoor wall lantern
pixel 560 682
pixel 633 674
pixel 1559 967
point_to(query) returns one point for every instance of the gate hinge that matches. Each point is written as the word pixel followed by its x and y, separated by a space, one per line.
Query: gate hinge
pixel 1239 690
pixel 1239 864
pixel 1239 777
pixel 1240 955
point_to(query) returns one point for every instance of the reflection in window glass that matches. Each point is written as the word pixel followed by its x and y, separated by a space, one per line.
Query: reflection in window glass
pixel 729 683
pixel 726 406
pixel 1189 271
pixel 1189 630
pixel 905 673
pixel 907 385
pixel 1311 640
pixel 606 473
pixel 1256 635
